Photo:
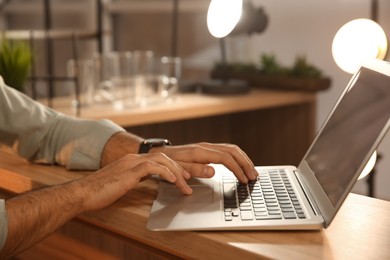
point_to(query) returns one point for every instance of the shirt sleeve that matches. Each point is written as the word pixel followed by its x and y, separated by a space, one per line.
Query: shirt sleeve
pixel 3 224
pixel 43 135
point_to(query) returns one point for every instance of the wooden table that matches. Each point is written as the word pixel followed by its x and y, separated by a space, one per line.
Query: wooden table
pixel 361 230
pixel 272 127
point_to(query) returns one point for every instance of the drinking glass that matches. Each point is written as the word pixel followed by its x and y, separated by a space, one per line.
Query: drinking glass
pixel 170 70
pixel 106 69
pixel 82 88
pixel 145 88
pixel 124 80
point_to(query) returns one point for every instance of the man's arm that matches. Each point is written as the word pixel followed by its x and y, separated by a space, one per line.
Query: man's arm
pixel 118 145
pixel 43 135
pixel 35 215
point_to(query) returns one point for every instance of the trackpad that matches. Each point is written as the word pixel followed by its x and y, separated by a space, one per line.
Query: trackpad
pixel 173 210
pixel 202 194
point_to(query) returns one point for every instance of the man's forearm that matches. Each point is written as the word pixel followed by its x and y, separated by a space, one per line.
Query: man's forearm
pixel 35 215
pixel 118 145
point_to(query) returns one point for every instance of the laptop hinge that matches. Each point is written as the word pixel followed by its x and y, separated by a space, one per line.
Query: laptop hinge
pixel 313 205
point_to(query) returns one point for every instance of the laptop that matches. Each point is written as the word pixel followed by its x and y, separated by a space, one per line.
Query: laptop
pixel 289 197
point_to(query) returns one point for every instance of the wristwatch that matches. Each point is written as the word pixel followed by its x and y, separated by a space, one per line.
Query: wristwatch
pixel 152 142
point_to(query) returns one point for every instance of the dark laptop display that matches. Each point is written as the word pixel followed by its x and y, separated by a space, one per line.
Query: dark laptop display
pixel 353 128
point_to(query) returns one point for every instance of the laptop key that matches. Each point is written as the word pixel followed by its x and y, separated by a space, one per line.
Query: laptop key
pixel 276 213
pixel 258 195
pixel 258 201
pixel 246 208
pixel 246 215
pixel 228 218
pixel 258 205
pixel 235 212
pixel 260 214
pixel 268 217
pixel 289 215
pixel 229 191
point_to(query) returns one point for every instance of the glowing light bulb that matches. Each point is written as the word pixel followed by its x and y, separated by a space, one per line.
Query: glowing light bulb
pixel 223 16
pixel 369 166
pixel 357 41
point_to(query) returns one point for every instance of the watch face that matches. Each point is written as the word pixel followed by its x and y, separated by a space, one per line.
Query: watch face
pixel 157 141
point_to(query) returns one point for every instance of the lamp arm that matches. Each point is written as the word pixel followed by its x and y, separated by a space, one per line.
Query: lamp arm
pixel 224 68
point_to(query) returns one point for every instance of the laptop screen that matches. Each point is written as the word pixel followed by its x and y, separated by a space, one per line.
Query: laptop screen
pixel 350 132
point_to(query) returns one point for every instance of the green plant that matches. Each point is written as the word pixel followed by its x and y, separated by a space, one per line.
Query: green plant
pixel 270 65
pixel 302 68
pixel 15 62
pixel 236 67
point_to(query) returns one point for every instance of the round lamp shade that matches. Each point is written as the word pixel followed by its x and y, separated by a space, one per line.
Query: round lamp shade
pixel 369 166
pixel 223 16
pixel 356 41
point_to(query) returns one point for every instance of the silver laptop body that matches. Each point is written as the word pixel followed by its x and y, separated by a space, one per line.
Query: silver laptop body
pixel 316 188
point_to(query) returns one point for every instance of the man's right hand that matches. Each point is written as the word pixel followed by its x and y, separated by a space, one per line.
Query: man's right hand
pixel 108 184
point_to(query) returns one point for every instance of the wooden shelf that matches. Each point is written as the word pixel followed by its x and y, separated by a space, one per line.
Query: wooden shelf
pixel 49 34
pixel 35 7
pixel 159 6
pixel 115 7
pixel 187 106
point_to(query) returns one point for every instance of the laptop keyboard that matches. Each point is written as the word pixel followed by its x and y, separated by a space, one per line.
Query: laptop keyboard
pixel 271 196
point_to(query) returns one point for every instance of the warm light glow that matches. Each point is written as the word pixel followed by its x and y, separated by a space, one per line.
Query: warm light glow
pixel 357 41
pixel 369 166
pixel 223 16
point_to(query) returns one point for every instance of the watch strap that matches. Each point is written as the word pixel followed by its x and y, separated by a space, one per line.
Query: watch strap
pixel 147 144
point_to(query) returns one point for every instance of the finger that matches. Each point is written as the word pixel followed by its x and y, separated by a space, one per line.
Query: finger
pixel 205 156
pixel 149 167
pixel 186 153
pixel 186 174
pixel 180 174
pixel 198 170
pixel 239 155
pixel 145 168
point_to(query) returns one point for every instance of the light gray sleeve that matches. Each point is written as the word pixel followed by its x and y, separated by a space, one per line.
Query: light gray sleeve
pixel 3 224
pixel 43 135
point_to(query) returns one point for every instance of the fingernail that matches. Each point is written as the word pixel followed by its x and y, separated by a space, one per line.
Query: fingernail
pixel 172 178
pixel 207 172
pixel 255 174
pixel 187 175
pixel 188 190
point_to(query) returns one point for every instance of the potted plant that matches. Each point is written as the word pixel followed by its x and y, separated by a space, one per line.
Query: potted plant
pixel 269 73
pixel 15 62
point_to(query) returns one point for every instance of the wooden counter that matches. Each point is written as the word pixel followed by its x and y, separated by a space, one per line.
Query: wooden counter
pixel 272 127
pixel 360 230
pixel 188 106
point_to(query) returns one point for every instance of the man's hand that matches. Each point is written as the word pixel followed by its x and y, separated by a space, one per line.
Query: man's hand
pixel 117 178
pixel 195 157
